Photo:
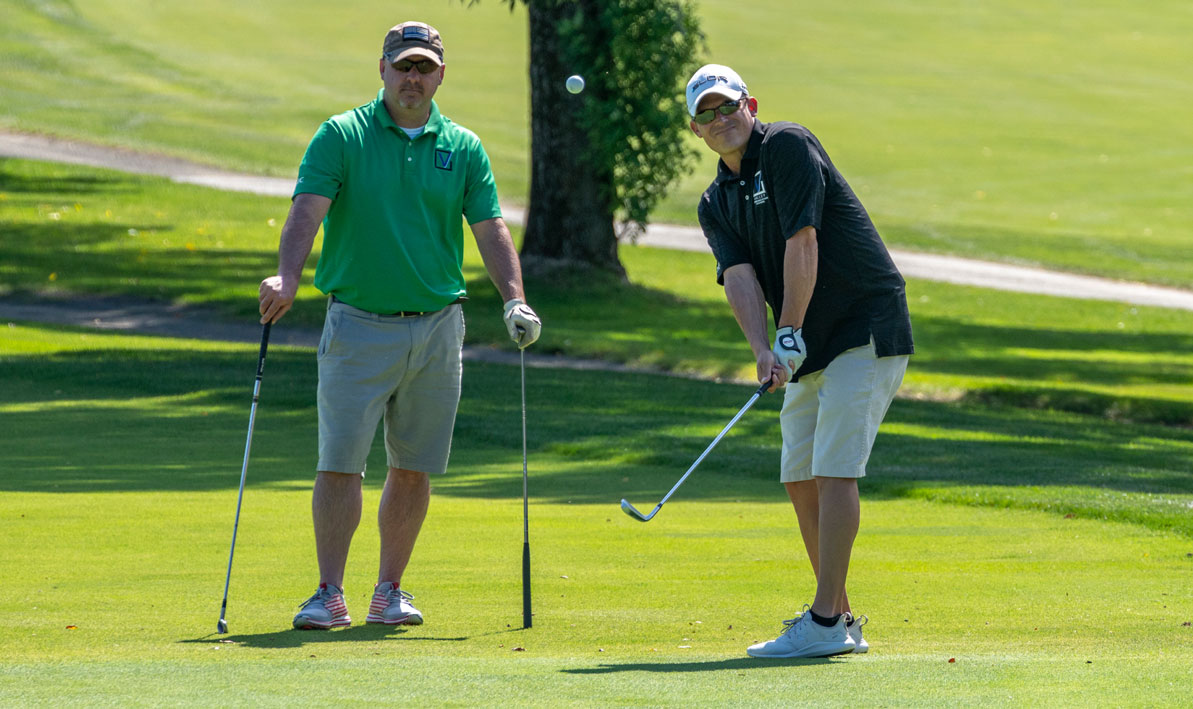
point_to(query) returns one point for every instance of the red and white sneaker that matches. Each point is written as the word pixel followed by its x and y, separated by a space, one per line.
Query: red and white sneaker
pixel 391 606
pixel 326 609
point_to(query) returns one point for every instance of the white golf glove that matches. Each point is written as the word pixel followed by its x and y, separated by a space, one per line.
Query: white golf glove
pixel 523 324
pixel 789 349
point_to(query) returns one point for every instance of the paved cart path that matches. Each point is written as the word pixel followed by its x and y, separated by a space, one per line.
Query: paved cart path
pixel 132 315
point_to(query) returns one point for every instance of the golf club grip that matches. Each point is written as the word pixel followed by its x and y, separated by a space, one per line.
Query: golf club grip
pixel 526 621
pixel 264 347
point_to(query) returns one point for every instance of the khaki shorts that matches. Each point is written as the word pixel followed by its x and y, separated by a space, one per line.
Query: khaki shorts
pixel 405 370
pixel 830 418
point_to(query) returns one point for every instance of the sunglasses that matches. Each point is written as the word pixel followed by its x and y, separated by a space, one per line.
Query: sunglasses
pixel 728 108
pixel 424 66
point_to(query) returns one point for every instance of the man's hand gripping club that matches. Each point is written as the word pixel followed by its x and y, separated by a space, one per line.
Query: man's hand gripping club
pixel 522 323
pixel 789 349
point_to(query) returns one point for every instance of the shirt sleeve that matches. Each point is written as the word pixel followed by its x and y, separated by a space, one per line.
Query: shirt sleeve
pixel 322 168
pixel 480 188
pixel 723 241
pixel 796 171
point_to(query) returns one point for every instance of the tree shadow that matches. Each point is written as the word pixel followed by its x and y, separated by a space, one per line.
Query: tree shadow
pixel 130 419
pixel 69 182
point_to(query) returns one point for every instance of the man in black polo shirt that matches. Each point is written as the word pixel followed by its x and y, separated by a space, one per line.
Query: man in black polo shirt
pixel 788 232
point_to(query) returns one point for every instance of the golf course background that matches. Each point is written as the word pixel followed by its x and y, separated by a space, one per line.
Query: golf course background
pixel 1020 130
pixel 1027 533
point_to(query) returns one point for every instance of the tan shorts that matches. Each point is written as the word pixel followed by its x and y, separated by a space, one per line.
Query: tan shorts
pixel 405 370
pixel 830 418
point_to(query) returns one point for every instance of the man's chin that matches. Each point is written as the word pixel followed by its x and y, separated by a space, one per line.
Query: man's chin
pixel 410 100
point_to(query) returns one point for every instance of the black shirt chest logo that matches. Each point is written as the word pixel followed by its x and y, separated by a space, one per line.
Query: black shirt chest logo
pixel 760 195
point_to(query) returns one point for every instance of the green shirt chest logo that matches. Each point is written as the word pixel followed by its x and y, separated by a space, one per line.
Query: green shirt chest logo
pixel 443 159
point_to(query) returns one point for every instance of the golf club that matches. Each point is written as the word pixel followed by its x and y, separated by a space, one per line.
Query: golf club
pixel 525 509
pixel 633 512
pixel 222 626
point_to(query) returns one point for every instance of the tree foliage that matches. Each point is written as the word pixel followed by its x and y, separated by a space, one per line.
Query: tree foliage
pixel 611 153
pixel 635 61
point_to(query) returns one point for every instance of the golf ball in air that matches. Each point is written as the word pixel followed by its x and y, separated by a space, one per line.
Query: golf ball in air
pixel 575 83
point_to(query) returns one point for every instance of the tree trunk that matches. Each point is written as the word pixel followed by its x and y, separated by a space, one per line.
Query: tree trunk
pixel 570 219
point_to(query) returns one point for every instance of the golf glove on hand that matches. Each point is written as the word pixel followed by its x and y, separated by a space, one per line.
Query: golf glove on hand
pixel 522 322
pixel 789 349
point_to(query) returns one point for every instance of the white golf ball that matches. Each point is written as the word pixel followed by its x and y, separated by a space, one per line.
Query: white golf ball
pixel 575 83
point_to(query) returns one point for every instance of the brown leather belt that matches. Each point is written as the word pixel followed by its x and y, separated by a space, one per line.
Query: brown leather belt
pixel 409 313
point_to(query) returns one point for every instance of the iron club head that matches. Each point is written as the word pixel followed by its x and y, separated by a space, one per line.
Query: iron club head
pixel 631 511
pixel 221 627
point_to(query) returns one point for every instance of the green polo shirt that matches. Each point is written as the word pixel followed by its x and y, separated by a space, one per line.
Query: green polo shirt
pixel 393 238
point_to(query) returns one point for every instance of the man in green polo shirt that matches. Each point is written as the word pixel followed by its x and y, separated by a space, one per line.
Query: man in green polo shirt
pixel 389 181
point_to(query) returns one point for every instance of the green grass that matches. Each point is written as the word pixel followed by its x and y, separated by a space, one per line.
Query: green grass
pixel 1027 512
pixel 80 231
pixel 122 533
pixel 1033 132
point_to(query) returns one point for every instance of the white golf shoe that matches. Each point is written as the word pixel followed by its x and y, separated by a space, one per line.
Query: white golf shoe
pixel 391 606
pixel 804 637
pixel 854 627
pixel 326 609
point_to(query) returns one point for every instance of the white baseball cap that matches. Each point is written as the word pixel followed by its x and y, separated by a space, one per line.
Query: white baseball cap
pixel 713 79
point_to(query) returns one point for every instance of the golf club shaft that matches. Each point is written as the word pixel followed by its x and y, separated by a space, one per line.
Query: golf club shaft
pixel 761 390
pixel 526 615
pixel 245 467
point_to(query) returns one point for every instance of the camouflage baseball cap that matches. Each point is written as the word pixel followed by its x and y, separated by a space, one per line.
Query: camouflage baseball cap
pixel 411 39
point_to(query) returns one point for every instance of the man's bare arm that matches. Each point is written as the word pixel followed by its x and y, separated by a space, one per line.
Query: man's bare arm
pixel 496 245
pixel 745 297
pixel 277 293
pixel 799 277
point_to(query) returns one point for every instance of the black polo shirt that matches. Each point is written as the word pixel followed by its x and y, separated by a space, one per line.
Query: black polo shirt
pixel 787 182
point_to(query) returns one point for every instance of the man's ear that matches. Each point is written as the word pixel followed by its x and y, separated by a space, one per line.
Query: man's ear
pixel 752 104
pixel 695 129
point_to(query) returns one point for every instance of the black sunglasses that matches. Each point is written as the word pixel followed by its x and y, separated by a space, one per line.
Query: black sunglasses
pixel 424 66
pixel 729 107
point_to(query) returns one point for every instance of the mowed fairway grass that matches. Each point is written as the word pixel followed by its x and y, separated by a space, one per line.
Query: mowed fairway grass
pixel 122 456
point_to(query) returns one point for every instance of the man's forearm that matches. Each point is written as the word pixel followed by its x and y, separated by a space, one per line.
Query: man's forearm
pixel 749 306
pixel 298 234
pixel 501 259
pixel 799 277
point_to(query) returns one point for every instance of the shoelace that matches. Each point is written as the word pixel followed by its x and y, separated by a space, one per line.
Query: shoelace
pixel 793 624
pixel 402 595
pixel 789 624
pixel 310 600
pixel 318 595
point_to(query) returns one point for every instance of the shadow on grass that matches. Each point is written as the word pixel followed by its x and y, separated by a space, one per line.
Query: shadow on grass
pixel 128 419
pixel 70 183
pixel 737 663
pixel 284 639
pixel 101 258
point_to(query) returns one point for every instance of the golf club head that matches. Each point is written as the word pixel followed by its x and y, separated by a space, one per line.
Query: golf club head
pixel 631 511
pixel 221 627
